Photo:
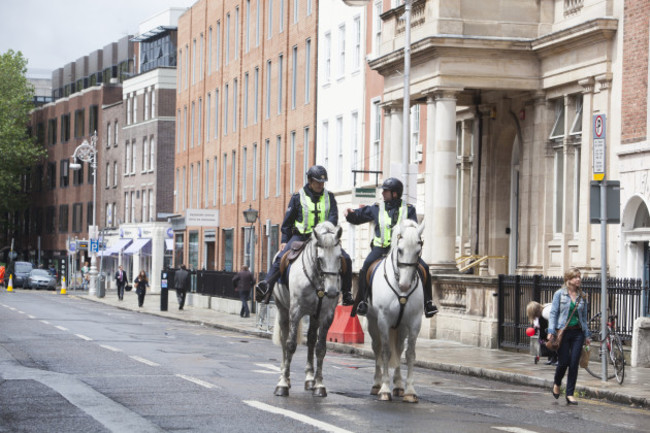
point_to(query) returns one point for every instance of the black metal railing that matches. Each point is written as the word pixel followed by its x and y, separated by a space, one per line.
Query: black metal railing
pixel 624 299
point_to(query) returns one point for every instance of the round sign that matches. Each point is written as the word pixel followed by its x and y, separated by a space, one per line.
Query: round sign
pixel 598 126
pixel 13 255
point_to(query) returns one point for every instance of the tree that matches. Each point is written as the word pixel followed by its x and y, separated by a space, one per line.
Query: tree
pixel 19 151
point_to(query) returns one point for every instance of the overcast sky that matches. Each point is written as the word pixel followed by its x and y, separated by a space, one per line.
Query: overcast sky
pixel 52 33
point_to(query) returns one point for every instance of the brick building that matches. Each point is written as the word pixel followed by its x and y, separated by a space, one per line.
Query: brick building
pixel 245 126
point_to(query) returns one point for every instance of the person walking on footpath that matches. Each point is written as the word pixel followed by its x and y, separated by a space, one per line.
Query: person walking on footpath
pixel 121 280
pixel 243 283
pixel 312 205
pixel 181 277
pixel 141 282
pixel 387 215
pixel 569 311
pixel 85 276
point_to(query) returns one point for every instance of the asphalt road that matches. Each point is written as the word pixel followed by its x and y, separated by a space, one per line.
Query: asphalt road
pixel 67 365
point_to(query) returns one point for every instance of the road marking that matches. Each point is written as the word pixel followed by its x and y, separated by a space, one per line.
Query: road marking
pixel 197 381
pixel 144 361
pixel 84 337
pixel 31 317
pixel 265 372
pixel 12 308
pixel 21 312
pixel 111 348
pixel 45 321
pixel 273 367
pixel 61 328
pixel 297 416
pixel 514 429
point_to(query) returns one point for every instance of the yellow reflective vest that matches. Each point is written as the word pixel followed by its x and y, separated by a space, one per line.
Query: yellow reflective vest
pixel 309 209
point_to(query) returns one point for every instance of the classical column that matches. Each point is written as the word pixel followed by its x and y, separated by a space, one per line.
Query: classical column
pixel 394 164
pixel 444 183
pixel 429 198
pixel 386 148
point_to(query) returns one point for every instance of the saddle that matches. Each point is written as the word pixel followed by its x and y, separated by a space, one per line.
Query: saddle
pixel 291 255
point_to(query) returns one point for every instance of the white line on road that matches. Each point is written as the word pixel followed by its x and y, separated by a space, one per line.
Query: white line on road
pixel 31 317
pixel 265 372
pixel 111 348
pixel 45 321
pixel 12 308
pixel 273 367
pixel 297 416
pixel 84 337
pixel 61 328
pixel 21 312
pixel 197 381
pixel 514 429
pixel 144 361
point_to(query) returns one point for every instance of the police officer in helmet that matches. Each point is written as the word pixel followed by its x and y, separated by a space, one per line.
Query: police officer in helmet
pixel 387 215
pixel 320 205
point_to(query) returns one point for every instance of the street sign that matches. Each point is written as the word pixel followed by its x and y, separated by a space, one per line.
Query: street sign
pixel 94 246
pixel 72 247
pixel 365 195
pixel 599 145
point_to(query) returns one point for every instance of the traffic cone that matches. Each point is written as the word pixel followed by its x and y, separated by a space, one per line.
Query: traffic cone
pixel 63 291
pixel 10 287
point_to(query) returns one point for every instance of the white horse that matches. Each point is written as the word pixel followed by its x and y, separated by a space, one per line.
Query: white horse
pixel 395 312
pixel 313 289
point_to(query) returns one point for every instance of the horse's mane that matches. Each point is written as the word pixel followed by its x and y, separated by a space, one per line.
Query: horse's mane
pixel 327 234
pixel 403 229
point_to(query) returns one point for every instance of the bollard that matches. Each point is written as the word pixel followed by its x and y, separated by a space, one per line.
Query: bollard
pixel 164 292
pixel 63 288
pixel 10 287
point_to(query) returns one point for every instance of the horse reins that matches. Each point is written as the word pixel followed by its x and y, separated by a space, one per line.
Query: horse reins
pixel 320 292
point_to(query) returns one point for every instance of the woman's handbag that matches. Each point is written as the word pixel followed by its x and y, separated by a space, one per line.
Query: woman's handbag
pixel 584 357
pixel 128 287
pixel 554 343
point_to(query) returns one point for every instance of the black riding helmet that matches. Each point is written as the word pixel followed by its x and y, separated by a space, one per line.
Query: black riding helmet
pixel 394 185
pixel 318 173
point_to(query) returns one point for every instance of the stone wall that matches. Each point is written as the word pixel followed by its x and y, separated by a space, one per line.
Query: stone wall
pixel 641 343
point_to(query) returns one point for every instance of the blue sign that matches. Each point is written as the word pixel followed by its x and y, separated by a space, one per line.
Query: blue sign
pixel 72 247
pixel 94 246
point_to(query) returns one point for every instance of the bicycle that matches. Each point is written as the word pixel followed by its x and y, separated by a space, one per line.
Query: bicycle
pixel 615 357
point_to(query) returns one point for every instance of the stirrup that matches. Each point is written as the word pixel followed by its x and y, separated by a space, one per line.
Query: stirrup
pixel 347 299
pixel 261 289
pixel 430 309
pixel 362 308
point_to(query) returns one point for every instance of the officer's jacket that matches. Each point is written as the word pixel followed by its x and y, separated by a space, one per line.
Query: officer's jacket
pixel 294 213
pixel 371 213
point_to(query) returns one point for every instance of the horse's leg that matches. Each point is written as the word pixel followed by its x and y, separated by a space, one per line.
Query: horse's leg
pixel 311 344
pixel 384 391
pixel 321 350
pixel 398 385
pixel 410 396
pixel 290 343
pixel 376 349
pixel 282 388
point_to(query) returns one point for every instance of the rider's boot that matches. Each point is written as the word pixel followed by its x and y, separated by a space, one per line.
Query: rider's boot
pixel 362 306
pixel 430 308
pixel 346 286
pixel 347 299
pixel 264 288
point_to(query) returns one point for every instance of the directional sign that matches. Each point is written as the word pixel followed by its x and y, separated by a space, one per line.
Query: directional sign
pixel 72 247
pixel 599 146
pixel 365 195
pixel 94 246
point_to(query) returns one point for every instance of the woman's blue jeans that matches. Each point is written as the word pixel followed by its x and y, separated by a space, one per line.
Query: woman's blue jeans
pixel 568 356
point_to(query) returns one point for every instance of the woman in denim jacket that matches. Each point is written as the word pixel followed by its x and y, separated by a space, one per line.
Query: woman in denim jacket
pixel 576 334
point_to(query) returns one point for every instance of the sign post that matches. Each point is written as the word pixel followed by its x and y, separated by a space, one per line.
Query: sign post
pixel 599 173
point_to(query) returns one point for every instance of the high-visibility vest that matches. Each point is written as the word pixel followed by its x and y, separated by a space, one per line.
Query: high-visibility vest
pixel 385 227
pixel 309 209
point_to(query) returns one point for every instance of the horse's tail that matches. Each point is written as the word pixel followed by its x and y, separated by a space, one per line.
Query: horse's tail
pixel 394 355
pixel 278 334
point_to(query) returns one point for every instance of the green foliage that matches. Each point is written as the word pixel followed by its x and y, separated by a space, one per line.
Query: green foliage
pixel 19 151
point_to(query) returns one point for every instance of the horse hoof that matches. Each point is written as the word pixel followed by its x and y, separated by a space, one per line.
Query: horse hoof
pixel 375 390
pixel 309 385
pixel 319 392
pixel 398 392
pixel 281 391
pixel 385 396
pixel 410 398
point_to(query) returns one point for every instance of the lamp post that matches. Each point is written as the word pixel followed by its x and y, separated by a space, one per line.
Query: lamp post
pixel 87 152
pixel 250 215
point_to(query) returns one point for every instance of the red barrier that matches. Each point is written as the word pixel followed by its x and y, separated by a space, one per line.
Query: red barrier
pixel 345 329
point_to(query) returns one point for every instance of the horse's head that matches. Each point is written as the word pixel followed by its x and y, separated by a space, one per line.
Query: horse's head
pixel 327 251
pixel 406 248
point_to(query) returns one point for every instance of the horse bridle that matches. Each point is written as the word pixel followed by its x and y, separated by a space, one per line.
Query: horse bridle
pixel 320 275
pixel 402 298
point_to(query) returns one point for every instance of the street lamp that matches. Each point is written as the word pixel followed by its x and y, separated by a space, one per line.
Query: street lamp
pixel 250 215
pixel 87 152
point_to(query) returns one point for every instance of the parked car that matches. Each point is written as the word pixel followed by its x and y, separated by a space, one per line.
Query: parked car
pixel 41 279
pixel 20 274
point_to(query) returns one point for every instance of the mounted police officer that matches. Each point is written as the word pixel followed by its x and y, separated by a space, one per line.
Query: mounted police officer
pixel 319 205
pixel 387 215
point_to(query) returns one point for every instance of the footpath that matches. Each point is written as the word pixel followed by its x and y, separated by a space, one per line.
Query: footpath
pixel 448 356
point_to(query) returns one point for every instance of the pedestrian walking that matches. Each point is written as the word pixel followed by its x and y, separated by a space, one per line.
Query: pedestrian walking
pixel 141 282
pixel 243 282
pixel 181 277
pixel 536 313
pixel 85 276
pixel 569 312
pixel 121 280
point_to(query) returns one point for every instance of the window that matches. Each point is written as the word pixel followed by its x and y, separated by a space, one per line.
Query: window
pixel 268 89
pixel 339 150
pixel 376 26
pixel 63 218
pixel 184 128
pixel 280 80
pixel 51 131
pixel 183 180
pixel 198 185
pixel 145 154
pixel 557 133
pixel 247 27
pixel 558 188
pixel 132 215
pixel 64 178
pixel 187 62
pixel 295 11
pixel 327 52
pixel 278 164
pixel 190 192
pixel 341 50
pixel 294 75
pixel 325 140
pixel 233 172
pixel 115 174
pixel 192 125
pixel 193 61
pixel 375 130
pixel 116 134
pixel 214 181
pixel 199 128
pixel 77 217
pixel 143 206
pixel 307 70
pixel 354 141
pixel 207 182
pixel 244 172
pixel 146 105
pixel 258 25
pixel 267 181
pixel 245 100
pixel 134 156
pixel 225 111
pixel 153 103
pixel 254 171
pixel 201 45
pixel 237 32
pixel 356 57
pixel 576 127
pixel 218 45
pixel 281 16
pixel 228 249
pixel 415 134
pixel 224 173
pixel 151 206
pixel 178 131
pixel 227 56
pixel 292 164
pixel 235 95
pixel 210 50
pixel 216 113
pixel 308 7
pixel 305 145
pixel 208 117
pixel 108 175
pixel 65 128
pixel 92 119
pixel 135 109
pixel 256 95
pixel 79 119
pixel 269 23
pixel 109 129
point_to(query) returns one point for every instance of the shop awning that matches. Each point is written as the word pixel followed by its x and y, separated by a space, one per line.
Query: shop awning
pixel 169 244
pixel 137 245
pixel 115 249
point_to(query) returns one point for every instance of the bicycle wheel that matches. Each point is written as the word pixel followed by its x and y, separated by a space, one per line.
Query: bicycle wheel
pixel 595 367
pixel 618 358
